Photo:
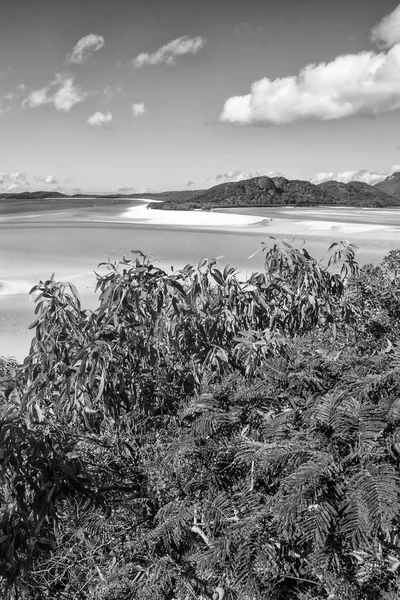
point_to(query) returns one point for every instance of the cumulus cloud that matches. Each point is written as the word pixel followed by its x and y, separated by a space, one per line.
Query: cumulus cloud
pixel 50 179
pixel 20 181
pixel 367 84
pixel 13 181
pixel 190 183
pixel 239 175
pixel 84 48
pixel 387 32
pixel 236 175
pixel 138 109
pixel 61 92
pixel 100 119
pixel 167 54
pixel 370 177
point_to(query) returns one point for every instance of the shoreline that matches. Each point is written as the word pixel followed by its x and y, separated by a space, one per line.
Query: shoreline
pixel 73 242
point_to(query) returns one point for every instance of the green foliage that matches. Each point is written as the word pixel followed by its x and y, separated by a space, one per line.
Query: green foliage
pixel 278 191
pixel 200 436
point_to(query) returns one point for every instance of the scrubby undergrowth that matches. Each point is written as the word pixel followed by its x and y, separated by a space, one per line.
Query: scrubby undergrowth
pixel 197 436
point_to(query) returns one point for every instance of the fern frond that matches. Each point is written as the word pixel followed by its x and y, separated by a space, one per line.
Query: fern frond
pixel 174 521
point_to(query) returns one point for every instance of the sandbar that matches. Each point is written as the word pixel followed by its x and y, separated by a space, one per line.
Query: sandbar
pixel 72 240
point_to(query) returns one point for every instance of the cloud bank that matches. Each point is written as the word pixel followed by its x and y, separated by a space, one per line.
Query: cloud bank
pixel 10 182
pixel 17 182
pixel 100 119
pixel 167 54
pixel 387 32
pixel 367 84
pixel 84 48
pixel 239 175
pixel 61 92
pixel 138 109
pixel 370 177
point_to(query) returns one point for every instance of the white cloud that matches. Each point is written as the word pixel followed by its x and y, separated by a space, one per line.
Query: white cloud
pixel 236 175
pixel 239 175
pixel 67 95
pixel 138 109
pixel 21 182
pixel 61 92
pixel 324 176
pixel 370 177
pixel 168 53
pixel 100 119
pixel 50 179
pixel 84 48
pixel 13 181
pixel 37 98
pixel 367 84
pixel 9 100
pixel 387 32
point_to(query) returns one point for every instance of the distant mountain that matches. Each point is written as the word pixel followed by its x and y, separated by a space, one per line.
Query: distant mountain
pixel 181 195
pixel 358 193
pixel 267 191
pixel 390 185
pixel 258 191
pixel 32 195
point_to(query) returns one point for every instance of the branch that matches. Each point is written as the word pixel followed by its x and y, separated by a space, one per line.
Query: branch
pixel 197 529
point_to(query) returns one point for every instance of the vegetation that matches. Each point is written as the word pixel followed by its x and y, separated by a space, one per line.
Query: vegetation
pixel 258 191
pixel 266 191
pixel 199 436
pixel 390 185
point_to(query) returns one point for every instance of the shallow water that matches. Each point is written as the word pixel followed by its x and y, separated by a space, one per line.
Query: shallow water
pixel 71 241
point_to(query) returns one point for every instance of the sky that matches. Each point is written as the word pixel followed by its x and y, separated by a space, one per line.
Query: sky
pixel 147 95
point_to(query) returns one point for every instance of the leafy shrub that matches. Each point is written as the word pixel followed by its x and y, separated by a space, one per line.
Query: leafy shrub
pixel 202 436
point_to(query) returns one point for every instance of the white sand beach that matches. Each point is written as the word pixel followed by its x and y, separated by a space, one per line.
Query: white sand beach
pixel 72 242
pixel 190 218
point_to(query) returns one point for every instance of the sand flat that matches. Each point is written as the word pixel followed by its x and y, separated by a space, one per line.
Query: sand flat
pixel 71 241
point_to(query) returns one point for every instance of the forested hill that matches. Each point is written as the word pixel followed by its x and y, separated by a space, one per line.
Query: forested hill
pixel 390 185
pixel 358 193
pixel 258 191
pixel 261 191
pixel 180 195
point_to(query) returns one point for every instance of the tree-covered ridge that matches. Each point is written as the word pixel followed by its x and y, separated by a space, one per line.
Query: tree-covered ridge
pixel 200 436
pixel 267 191
pixel 258 191
pixel 390 185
